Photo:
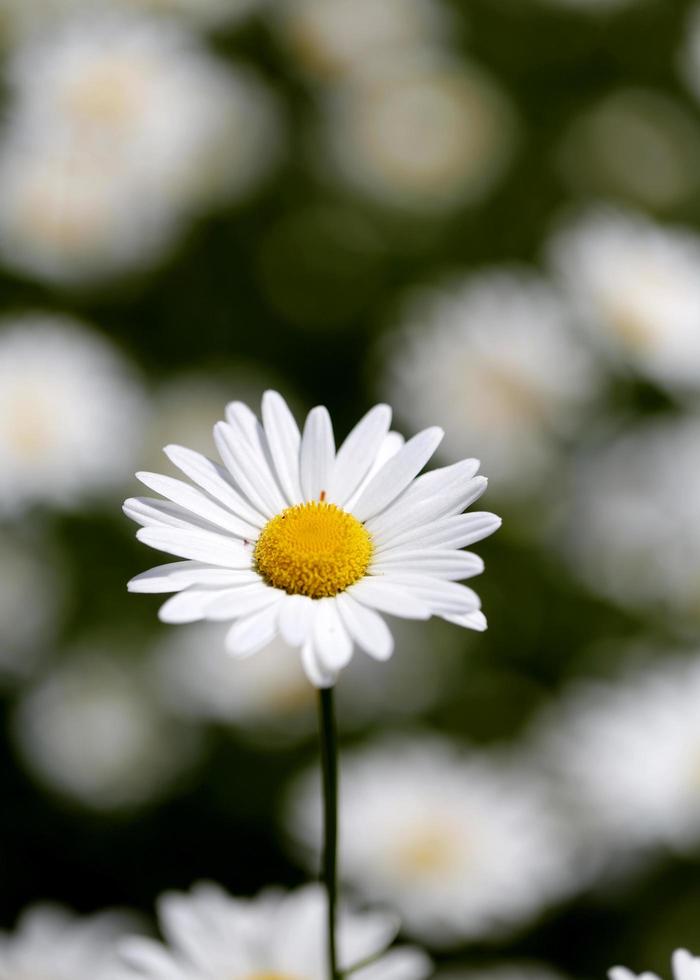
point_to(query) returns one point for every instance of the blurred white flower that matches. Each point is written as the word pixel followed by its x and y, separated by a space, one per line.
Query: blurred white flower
pixel 118 126
pixel 50 942
pixel 70 413
pixel 626 756
pixel 494 355
pixel 419 133
pixel 29 579
pixel 633 524
pixel 636 286
pixel 637 144
pixel 210 934
pixel 269 695
pixel 463 844
pixel 685 967
pixel 329 37
pixel 70 215
pixel 91 730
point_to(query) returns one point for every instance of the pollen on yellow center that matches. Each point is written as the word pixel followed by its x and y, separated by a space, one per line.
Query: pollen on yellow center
pixel 314 549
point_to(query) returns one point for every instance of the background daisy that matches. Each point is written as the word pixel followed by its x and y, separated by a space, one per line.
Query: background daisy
pixel 464 845
pixel 275 933
pixel 70 413
pixel 506 369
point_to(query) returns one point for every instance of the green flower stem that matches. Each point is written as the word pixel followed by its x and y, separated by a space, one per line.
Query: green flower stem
pixel 329 762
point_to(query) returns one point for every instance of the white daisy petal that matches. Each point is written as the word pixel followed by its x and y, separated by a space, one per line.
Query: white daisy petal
pixel 357 453
pixel 253 632
pixel 393 442
pixel 242 600
pixel 249 470
pixel 295 618
pixel 147 957
pixel 440 595
pixel 395 600
pixel 244 421
pixel 397 473
pixel 442 563
pixel 150 512
pixel 407 514
pixel 457 531
pixel 205 546
pixel 331 640
pixel 471 621
pixel 317 453
pixel 196 502
pixel 444 480
pixel 246 424
pixel 284 440
pixel 212 935
pixel 319 675
pixel 186 607
pixel 214 480
pixel 404 963
pixel 366 627
pixel 178 575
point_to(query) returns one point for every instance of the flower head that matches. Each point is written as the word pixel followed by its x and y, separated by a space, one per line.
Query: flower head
pixel 291 537
pixel 51 942
pixel 464 844
pixel 506 370
pixel 636 287
pixel 71 411
pixel 276 935
pixel 626 755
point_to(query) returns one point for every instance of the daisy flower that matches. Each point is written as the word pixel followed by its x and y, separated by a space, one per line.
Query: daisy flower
pixel 420 133
pixel 49 941
pixel 71 412
pixel 290 537
pixel 98 168
pixel 338 36
pixel 685 967
pixel 633 518
pixel 212 936
pixel 67 214
pixel 636 287
pixel 626 756
pixel 506 370
pixel 91 731
pixel 476 852
pixel 636 144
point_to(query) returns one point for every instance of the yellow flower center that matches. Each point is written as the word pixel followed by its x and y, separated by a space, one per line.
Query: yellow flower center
pixel 429 851
pixel 313 549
